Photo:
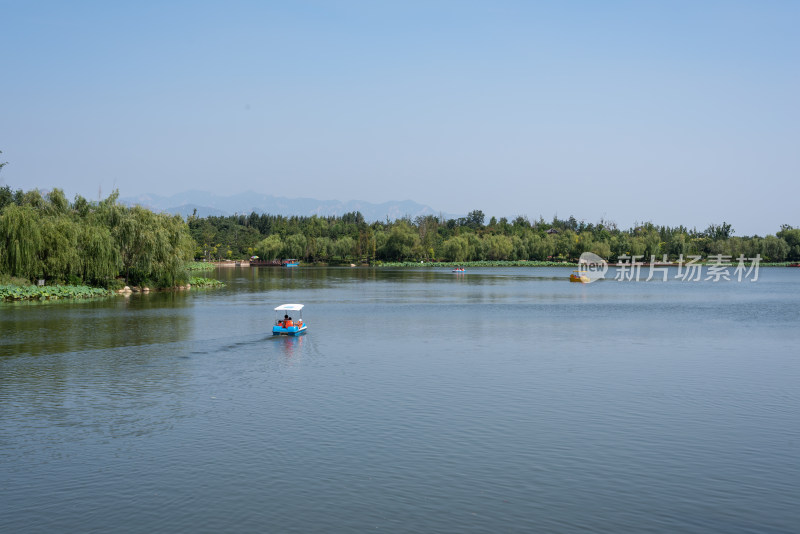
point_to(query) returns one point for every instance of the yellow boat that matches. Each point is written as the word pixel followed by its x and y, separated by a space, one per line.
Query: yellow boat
pixel 579 276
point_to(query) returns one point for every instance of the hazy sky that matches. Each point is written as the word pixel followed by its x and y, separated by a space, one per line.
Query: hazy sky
pixel 672 112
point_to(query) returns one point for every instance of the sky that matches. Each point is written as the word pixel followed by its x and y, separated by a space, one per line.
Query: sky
pixel 677 113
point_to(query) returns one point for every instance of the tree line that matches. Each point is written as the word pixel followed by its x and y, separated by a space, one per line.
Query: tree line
pixel 470 238
pixel 100 243
pixel 106 243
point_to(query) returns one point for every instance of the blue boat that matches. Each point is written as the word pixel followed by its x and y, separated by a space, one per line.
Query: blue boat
pixel 291 263
pixel 287 325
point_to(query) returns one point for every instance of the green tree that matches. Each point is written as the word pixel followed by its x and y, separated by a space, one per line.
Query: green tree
pixel 601 248
pixel 344 247
pixel 541 247
pixel 498 247
pixel 652 245
pixel 401 242
pixel 58 256
pixel 152 247
pixel 719 231
pixel 270 248
pixel 21 240
pixel 455 249
pixel 474 220
pixel 57 203
pixel 775 249
pixel 295 246
pixel 6 196
pixel 173 251
pixel 677 246
pixel 98 255
pixel 792 238
pixel 321 248
pixel 564 243
pixel 475 247
pixel 519 249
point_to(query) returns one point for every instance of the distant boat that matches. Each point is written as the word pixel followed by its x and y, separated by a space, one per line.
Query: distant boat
pixel 579 276
pixel 265 263
pixel 459 270
pixel 256 262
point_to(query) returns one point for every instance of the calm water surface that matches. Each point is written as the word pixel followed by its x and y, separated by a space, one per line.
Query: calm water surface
pixel 502 400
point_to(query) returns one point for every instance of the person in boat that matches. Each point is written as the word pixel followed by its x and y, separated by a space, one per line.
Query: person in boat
pixel 282 324
pixel 288 322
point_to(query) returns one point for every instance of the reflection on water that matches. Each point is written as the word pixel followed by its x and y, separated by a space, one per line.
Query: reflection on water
pixel 291 346
pixel 101 368
pixel 58 327
pixel 500 400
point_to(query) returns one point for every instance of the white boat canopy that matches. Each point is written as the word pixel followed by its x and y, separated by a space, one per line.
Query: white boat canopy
pixel 289 307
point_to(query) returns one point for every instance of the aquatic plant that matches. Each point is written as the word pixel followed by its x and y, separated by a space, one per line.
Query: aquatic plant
pixel 15 292
pixel 198 281
pixel 199 266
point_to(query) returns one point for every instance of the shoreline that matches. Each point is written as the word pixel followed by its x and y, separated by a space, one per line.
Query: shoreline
pixel 14 293
pixel 483 263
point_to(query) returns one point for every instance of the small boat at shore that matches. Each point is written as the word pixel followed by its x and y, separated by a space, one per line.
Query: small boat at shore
pixel 286 325
pixel 256 262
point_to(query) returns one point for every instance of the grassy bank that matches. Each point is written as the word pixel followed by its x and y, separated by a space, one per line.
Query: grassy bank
pixel 13 288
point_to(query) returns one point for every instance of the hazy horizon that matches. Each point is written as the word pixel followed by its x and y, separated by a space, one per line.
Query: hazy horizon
pixel 678 114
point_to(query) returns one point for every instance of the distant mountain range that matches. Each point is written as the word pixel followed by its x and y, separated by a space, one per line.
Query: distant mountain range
pixel 245 203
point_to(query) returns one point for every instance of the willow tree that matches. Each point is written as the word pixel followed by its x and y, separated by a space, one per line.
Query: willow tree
pixel 56 202
pixel 99 256
pixel 133 238
pixel 792 238
pixel 774 248
pixel 455 249
pixel 20 241
pixel 294 246
pixel 174 248
pixel 519 250
pixel 344 247
pixel 58 255
pixel 270 248
pixel 498 247
pixel 152 247
pixel 401 242
pixel 320 248
pixel 541 247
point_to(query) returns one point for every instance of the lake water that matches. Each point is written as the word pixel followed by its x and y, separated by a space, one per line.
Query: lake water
pixel 500 400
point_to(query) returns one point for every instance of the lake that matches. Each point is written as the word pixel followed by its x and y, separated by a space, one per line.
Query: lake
pixel 500 400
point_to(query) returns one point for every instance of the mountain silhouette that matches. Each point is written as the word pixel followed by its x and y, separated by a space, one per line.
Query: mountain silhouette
pixel 245 203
